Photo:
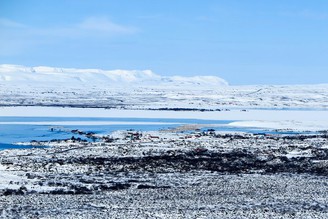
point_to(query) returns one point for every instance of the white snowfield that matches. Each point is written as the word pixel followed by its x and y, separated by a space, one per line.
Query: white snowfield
pixel 47 86
pixel 296 120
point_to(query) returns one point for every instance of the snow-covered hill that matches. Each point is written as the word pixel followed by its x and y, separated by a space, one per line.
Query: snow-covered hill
pixel 47 86
pixel 49 76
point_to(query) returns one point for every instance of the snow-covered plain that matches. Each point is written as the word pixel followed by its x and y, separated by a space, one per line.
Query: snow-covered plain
pixel 47 86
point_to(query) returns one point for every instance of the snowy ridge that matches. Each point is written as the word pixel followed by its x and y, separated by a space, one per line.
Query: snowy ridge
pixel 47 86
pixel 72 76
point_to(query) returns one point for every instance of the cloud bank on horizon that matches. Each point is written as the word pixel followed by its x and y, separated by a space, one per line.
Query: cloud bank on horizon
pixel 279 42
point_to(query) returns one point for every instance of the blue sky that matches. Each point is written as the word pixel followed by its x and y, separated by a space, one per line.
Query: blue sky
pixel 244 42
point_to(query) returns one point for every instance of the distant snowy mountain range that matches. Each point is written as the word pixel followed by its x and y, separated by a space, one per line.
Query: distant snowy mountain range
pixel 72 76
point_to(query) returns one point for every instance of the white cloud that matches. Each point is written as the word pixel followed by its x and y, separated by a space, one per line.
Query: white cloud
pixel 17 38
pixel 102 24
pixel 89 27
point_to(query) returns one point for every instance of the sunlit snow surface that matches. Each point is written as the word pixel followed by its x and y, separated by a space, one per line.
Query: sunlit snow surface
pixel 47 86
pixel 297 120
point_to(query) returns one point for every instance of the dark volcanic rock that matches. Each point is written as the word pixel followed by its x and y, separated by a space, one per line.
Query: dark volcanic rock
pixel 145 186
pixel 21 191
pixel 235 161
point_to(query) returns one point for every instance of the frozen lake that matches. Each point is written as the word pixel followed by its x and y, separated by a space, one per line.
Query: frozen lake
pixel 25 129
pixel 24 124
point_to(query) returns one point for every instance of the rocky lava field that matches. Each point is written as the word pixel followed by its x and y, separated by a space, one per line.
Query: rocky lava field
pixel 168 175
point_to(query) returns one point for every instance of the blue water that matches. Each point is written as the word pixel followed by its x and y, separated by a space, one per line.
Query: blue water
pixel 11 133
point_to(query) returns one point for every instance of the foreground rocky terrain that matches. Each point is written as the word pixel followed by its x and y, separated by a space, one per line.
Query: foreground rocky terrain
pixel 210 195
pixel 168 174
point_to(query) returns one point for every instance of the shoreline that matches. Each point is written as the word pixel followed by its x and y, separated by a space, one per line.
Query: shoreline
pixel 264 119
pixel 259 114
